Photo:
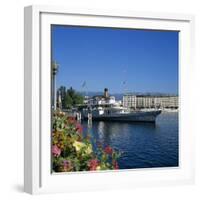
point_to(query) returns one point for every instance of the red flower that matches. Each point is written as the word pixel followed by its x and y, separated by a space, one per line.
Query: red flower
pixel 56 151
pixel 93 164
pixel 115 165
pixel 71 119
pixel 108 150
pixel 79 128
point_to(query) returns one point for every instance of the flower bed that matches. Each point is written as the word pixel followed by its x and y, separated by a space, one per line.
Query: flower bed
pixel 73 152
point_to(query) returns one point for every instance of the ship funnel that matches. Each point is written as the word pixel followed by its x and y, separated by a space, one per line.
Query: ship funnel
pixel 106 93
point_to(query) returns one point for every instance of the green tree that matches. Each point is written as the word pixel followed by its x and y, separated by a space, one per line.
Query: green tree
pixel 70 97
pixel 71 92
pixel 68 102
pixel 78 99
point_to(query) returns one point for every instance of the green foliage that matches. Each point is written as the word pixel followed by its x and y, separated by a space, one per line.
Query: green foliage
pixel 68 102
pixel 73 152
pixel 78 99
pixel 70 98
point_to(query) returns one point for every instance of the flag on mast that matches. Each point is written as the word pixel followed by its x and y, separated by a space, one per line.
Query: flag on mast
pixel 84 84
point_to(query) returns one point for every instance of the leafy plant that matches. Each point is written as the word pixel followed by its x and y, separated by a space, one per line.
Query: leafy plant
pixel 73 152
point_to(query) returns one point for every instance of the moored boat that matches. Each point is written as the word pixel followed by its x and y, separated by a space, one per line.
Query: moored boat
pixel 106 108
pixel 120 114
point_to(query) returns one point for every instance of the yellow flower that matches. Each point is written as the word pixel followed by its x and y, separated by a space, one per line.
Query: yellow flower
pixel 88 149
pixel 98 168
pixel 78 145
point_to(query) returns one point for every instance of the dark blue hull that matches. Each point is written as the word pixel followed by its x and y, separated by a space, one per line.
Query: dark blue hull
pixel 137 116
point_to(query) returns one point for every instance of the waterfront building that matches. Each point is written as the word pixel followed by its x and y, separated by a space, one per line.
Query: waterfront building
pixel 143 101
pixel 147 101
pixel 129 101
pixel 167 101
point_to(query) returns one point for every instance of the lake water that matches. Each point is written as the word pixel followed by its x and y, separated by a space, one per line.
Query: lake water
pixel 143 145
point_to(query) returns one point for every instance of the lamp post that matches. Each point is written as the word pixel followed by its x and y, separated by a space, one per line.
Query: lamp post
pixel 54 71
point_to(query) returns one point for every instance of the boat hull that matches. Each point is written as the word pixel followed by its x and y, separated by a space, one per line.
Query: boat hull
pixel 138 116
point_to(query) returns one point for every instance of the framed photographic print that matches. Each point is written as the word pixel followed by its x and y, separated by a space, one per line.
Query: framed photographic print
pixel 107 98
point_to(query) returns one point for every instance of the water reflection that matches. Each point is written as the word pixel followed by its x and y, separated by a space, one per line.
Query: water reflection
pixel 142 144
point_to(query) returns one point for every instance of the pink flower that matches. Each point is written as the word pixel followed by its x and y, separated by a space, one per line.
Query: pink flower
pixel 108 150
pixel 115 165
pixel 56 151
pixel 93 164
pixel 79 128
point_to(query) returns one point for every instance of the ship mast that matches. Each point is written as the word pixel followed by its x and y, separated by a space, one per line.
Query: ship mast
pixel 124 82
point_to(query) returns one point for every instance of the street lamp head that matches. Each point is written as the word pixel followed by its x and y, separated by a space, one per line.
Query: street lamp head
pixel 54 66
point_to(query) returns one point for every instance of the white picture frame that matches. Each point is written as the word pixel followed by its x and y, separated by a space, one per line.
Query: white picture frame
pixel 37 145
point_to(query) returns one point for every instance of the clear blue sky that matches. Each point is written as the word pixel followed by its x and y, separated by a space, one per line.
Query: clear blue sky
pixel 119 59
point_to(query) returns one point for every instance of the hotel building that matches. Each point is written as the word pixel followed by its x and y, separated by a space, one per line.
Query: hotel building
pixel 147 101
